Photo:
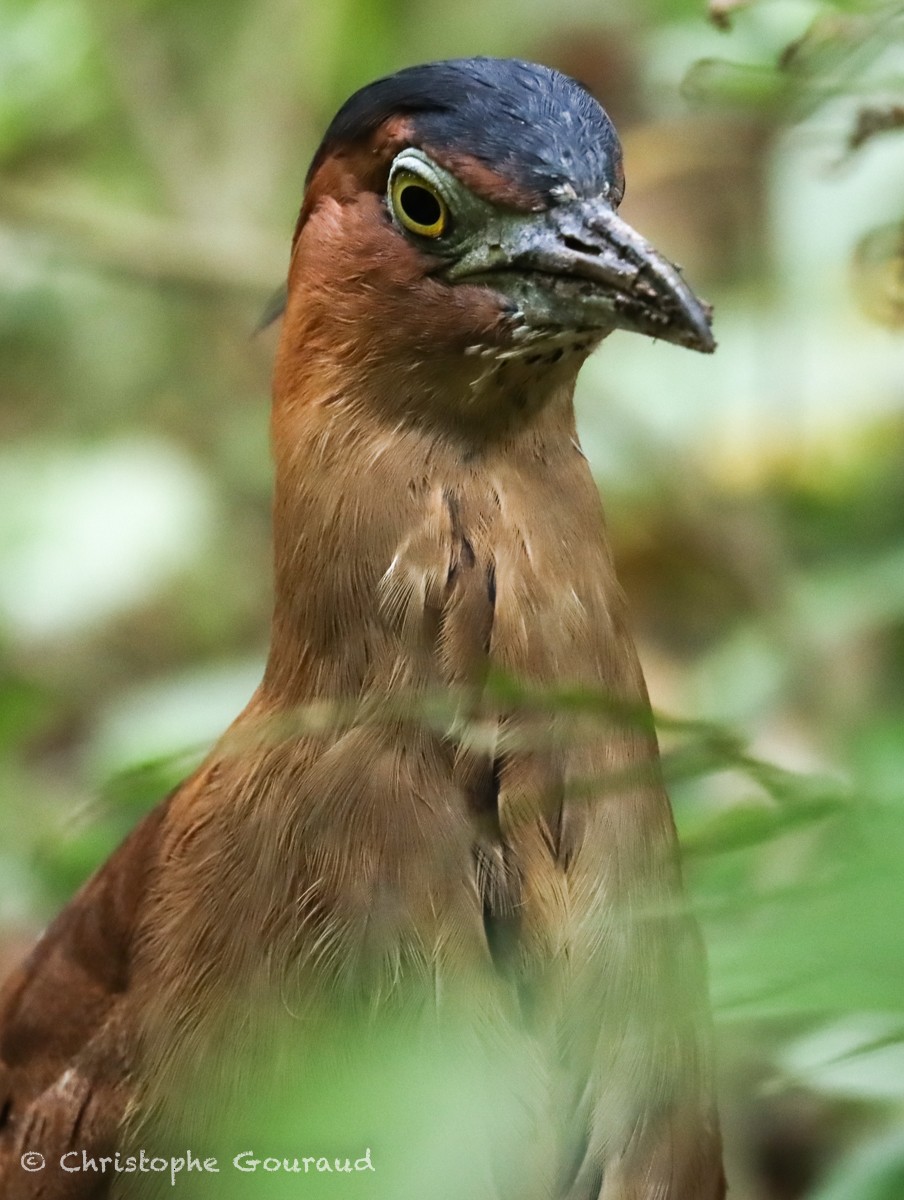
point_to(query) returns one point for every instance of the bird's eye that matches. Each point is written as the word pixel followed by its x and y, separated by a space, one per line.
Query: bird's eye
pixel 418 206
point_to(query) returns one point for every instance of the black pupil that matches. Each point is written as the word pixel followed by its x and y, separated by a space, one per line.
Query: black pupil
pixel 420 206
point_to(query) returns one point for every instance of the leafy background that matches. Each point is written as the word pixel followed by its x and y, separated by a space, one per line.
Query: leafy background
pixel 152 154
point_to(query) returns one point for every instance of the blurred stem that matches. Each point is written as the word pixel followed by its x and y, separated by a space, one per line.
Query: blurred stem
pixel 84 227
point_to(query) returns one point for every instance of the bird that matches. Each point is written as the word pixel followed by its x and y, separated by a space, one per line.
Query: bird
pixel 405 821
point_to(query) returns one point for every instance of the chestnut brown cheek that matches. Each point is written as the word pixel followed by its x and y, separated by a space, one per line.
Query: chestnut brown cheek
pixel 364 275
pixel 453 319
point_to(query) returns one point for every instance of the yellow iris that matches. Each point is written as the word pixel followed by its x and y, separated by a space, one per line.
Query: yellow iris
pixel 418 206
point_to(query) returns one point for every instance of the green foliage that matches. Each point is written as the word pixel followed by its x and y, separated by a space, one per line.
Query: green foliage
pixel 151 160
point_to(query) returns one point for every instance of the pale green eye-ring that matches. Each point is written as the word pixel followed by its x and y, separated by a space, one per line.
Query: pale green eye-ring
pixel 418 206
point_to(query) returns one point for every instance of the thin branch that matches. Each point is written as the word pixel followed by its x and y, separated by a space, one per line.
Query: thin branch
pixel 84 226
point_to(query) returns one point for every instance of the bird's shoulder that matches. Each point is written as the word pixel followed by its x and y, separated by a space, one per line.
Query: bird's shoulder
pixel 63 1048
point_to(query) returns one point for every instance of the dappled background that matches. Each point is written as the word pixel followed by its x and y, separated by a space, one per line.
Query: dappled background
pixel 152 154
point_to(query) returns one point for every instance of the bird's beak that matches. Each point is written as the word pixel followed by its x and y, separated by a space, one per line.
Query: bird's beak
pixel 578 265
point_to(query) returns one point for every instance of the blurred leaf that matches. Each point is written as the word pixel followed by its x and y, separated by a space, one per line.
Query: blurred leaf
pixel 874 1171
pixel 45 88
pixel 721 11
pixel 24 709
pixel 734 85
pixel 65 857
pixel 861 1056
pixel 878 272
pixel 85 532
pixel 743 826
pixel 872 121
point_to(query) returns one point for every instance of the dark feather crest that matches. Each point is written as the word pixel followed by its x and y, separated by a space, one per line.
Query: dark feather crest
pixel 528 122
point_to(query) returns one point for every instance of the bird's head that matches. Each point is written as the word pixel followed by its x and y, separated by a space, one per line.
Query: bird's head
pixel 459 235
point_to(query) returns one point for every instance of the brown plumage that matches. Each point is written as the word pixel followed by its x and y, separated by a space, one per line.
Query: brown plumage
pixel 389 824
